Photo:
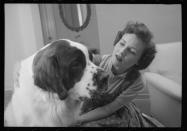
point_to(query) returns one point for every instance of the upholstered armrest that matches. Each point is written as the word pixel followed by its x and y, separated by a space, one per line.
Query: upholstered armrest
pixel 165 99
pixel 163 84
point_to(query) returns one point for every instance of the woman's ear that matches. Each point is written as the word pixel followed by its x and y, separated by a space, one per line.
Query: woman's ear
pixel 146 58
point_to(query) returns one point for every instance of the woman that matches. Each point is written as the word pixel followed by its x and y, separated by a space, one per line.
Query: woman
pixel 133 51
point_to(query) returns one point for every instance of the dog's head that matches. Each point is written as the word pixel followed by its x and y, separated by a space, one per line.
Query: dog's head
pixel 63 67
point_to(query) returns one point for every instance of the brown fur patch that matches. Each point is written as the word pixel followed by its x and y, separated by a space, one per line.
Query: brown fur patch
pixel 16 74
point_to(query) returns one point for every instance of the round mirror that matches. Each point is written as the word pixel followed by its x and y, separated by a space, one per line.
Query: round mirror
pixel 75 16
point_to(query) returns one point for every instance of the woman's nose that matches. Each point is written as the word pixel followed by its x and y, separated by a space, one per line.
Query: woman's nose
pixel 123 52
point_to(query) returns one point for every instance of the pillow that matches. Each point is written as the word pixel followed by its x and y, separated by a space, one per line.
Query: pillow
pixel 168 61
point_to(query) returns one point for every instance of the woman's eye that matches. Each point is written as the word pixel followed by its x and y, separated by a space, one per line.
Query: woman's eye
pixel 133 51
pixel 122 44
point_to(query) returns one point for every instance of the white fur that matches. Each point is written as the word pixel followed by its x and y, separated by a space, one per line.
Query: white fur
pixel 30 106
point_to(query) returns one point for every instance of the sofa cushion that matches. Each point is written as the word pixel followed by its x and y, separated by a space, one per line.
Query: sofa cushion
pixel 168 61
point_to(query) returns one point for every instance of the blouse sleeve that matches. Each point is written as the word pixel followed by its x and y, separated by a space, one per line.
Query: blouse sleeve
pixel 125 97
pixel 97 59
pixel 131 92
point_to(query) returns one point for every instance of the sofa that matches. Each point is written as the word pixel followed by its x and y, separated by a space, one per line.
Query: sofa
pixel 163 79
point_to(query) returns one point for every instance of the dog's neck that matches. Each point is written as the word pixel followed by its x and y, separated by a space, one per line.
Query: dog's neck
pixel 69 111
pixel 72 102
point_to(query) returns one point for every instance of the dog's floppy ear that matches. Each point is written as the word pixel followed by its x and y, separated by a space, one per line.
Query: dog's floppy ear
pixel 47 75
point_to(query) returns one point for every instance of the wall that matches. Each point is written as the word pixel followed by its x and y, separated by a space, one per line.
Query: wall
pixel 23 36
pixel 163 20
pixel 89 35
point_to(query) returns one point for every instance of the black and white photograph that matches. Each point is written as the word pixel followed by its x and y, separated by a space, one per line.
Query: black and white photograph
pixel 92 65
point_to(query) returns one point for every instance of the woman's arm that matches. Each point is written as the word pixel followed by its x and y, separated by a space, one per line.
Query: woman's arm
pixel 105 111
pixel 123 99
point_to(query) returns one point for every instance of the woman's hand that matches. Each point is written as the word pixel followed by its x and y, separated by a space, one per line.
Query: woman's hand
pixel 76 123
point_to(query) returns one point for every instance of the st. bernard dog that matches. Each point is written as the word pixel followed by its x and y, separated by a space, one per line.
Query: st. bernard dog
pixel 50 85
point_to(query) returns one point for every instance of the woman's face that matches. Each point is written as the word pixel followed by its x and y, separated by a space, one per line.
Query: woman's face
pixel 127 52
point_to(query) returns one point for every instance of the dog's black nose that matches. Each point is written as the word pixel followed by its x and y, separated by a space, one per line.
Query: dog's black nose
pixel 102 75
pixel 102 78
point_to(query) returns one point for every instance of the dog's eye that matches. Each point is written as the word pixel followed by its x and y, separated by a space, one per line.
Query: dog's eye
pixel 76 70
pixel 75 64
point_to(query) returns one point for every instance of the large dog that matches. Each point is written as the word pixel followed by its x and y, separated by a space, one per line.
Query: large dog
pixel 50 85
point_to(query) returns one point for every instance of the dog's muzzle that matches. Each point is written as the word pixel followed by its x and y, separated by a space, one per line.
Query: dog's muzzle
pixel 101 79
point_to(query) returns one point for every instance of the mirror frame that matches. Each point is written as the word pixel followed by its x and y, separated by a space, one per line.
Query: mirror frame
pixel 77 29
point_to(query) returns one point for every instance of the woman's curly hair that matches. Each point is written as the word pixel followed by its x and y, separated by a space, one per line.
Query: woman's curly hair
pixel 144 34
